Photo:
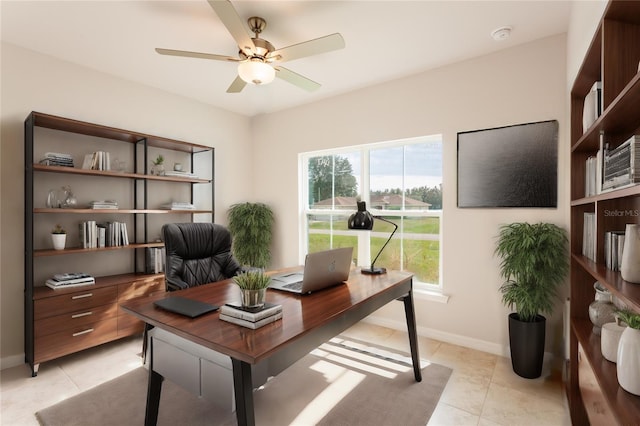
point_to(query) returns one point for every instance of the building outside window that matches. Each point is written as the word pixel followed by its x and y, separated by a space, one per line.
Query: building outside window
pixel 400 181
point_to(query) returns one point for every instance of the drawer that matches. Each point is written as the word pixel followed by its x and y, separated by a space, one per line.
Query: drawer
pixel 81 300
pixel 74 320
pixel 141 287
pixel 82 337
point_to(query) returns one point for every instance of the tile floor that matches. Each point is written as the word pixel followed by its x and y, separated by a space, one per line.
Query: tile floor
pixel 482 390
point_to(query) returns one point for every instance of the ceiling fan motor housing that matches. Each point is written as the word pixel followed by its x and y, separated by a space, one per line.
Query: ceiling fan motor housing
pixel 263 47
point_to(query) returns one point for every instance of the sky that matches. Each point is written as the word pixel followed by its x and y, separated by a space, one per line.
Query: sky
pixel 421 163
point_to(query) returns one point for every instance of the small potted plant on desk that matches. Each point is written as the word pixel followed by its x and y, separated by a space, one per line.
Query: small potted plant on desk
pixel 253 287
pixel 58 237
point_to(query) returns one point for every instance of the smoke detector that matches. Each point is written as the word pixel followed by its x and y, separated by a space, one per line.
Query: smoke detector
pixel 501 33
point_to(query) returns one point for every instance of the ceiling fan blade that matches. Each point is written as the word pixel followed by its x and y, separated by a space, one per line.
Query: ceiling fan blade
pixel 308 48
pixel 236 26
pixel 237 85
pixel 187 54
pixel 296 79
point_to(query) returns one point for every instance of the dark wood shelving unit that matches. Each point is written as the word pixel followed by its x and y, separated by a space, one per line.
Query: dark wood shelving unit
pixel 62 321
pixel 612 58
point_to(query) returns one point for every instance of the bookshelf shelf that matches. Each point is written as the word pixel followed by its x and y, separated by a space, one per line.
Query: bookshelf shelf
pixel 612 58
pixel 115 174
pixel 76 250
pixel 120 271
pixel 118 211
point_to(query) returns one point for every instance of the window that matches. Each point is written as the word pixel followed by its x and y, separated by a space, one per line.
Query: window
pixel 400 181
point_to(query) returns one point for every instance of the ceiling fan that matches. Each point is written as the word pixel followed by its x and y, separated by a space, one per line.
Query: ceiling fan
pixel 258 60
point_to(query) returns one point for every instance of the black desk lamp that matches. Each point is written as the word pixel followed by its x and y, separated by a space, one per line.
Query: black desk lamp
pixel 363 220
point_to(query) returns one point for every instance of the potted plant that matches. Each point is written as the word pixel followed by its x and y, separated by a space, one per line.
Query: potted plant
pixel 253 287
pixel 251 227
pixel 535 262
pixel 158 166
pixel 628 360
pixel 58 237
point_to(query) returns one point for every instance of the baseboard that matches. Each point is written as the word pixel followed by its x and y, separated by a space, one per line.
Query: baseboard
pixel 454 339
pixel 551 363
pixel 11 361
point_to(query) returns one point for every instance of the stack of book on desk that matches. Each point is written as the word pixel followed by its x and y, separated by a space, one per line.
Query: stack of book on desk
pixel 251 317
pixel 72 279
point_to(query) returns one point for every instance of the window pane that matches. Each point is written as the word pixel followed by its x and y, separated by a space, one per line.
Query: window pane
pixel 334 181
pixel 329 231
pixel 386 182
pixel 421 244
pixel 423 175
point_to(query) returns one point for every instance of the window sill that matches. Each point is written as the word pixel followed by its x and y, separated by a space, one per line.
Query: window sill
pixel 428 294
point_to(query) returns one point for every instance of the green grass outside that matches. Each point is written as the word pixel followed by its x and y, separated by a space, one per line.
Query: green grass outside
pixel 422 260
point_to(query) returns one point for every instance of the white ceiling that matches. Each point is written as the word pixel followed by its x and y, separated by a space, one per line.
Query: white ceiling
pixel 384 40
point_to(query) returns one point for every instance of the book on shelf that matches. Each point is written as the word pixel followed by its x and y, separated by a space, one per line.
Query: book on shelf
pixel 68 285
pixel 589 235
pixel 99 235
pixel 68 281
pixel 176 205
pixel 622 165
pixel 99 160
pixel 103 204
pixel 613 245
pixel 592 106
pixel 251 324
pixel 251 314
pixel 594 170
pixel 154 260
pixel 57 159
pixel 176 173
pixel 70 276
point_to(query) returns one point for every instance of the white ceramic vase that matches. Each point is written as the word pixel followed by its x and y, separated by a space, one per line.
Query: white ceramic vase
pixel 628 367
pixel 610 340
pixel 58 241
pixel 630 267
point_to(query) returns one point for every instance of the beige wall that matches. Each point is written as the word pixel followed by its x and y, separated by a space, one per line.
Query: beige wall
pixel 32 81
pixel 517 85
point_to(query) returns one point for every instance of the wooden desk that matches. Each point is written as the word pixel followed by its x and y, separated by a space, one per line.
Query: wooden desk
pixel 307 322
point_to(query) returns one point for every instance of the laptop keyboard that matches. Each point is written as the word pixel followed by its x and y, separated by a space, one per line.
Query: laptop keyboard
pixel 294 286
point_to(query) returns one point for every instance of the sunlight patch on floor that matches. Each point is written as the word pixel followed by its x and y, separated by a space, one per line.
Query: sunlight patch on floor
pixel 341 382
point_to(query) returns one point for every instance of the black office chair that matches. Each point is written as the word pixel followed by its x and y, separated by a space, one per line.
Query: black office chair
pixel 197 253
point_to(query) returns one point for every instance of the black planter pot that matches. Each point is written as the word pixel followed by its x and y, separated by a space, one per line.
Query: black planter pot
pixel 527 345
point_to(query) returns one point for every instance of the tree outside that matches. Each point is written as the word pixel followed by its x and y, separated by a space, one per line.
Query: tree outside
pixel 331 176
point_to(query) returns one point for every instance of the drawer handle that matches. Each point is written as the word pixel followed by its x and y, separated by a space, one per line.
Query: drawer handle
pixel 81 296
pixel 84 314
pixel 80 333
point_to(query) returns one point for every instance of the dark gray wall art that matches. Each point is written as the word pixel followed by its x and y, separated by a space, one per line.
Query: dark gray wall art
pixel 512 166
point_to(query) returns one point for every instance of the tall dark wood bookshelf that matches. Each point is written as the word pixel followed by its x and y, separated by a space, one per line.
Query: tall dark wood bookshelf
pixel 612 58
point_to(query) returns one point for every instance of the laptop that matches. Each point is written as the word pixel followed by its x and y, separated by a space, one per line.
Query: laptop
pixel 322 269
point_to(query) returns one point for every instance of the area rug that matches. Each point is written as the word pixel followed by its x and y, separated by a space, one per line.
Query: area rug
pixel 343 382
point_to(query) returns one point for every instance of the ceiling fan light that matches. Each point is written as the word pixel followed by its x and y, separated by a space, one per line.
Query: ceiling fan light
pixel 255 71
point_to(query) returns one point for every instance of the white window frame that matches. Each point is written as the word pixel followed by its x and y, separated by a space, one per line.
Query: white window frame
pixel 431 291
